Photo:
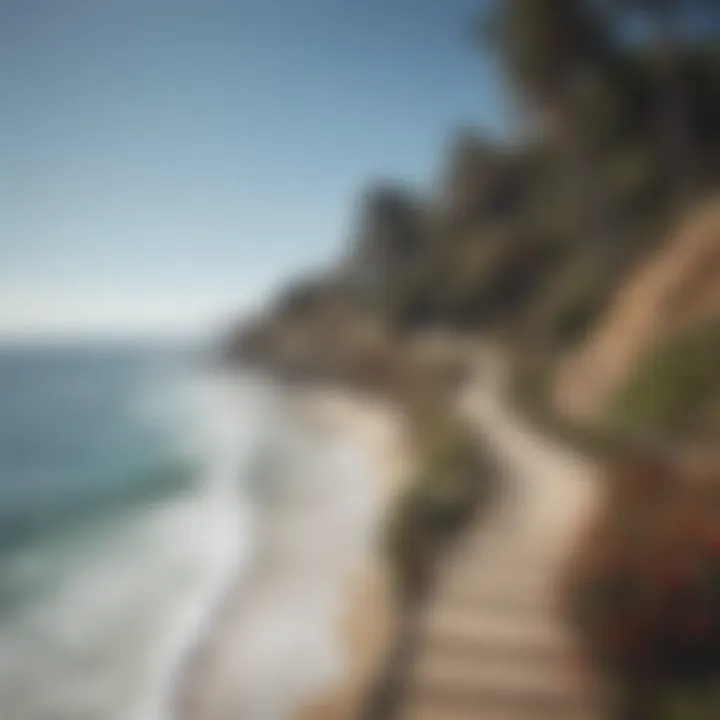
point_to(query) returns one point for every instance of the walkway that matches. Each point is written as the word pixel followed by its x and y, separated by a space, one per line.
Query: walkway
pixel 491 644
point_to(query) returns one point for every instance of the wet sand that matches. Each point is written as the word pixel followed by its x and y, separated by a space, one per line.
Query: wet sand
pixel 304 632
pixel 366 626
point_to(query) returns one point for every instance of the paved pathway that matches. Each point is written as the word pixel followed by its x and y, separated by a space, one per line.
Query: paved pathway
pixel 491 645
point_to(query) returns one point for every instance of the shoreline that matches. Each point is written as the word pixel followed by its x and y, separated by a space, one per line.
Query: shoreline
pixel 366 626
pixel 303 633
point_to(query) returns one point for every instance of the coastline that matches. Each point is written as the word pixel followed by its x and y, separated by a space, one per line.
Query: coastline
pixel 367 621
pixel 303 633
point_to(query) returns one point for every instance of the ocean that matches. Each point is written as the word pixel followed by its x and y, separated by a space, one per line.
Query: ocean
pixel 134 484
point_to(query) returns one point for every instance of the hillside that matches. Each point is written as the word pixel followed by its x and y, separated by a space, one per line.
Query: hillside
pixel 554 240
pixel 675 293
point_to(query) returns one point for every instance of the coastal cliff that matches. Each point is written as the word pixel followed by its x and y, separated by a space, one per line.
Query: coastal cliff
pixel 551 244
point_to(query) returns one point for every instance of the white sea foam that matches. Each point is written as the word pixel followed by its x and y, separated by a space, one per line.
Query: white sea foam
pixel 111 610
pixel 276 643
pixel 226 424
pixel 114 611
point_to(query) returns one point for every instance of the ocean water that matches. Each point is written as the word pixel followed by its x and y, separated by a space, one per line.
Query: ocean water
pixel 276 642
pixel 126 509
pixel 152 506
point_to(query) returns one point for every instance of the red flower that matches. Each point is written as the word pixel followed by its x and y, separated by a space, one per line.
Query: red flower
pixel 627 634
pixel 643 475
pixel 698 624
pixel 690 524
pixel 676 576
pixel 656 614
pixel 712 539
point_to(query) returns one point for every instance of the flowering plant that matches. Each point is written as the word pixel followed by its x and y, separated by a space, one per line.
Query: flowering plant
pixel 643 584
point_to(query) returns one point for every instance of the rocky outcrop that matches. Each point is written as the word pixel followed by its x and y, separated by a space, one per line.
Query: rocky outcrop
pixel 480 182
pixel 391 236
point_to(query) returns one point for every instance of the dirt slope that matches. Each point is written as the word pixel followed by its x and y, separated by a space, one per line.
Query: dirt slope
pixel 677 289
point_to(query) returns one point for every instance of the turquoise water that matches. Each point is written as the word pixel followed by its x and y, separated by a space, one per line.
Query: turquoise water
pixel 123 512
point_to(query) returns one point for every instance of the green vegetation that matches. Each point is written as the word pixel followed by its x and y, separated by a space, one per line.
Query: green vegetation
pixel 530 237
pixel 451 484
pixel 643 589
pixel 527 241
pixel 529 392
pixel 533 236
pixel 676 390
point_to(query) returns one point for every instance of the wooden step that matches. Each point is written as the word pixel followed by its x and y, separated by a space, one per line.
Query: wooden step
pixel 490 688
pixel 491 599
pixel 510 561
pixel 427 709
pixel 484 545
pixel 488 632
pixel 519 676
pixel 498 581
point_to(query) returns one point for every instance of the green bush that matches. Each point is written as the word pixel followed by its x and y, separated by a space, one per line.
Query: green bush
pixel 643 586
pixel 676 389
pixel 439 501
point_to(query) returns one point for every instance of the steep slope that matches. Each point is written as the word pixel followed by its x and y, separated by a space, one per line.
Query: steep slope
pixel 678 290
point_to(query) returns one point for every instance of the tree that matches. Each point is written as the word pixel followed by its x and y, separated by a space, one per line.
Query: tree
pixel 675 112
pixel 552 52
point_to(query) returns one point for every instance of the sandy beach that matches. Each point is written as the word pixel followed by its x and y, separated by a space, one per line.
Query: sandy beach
pixel 365 627
pixel 304 631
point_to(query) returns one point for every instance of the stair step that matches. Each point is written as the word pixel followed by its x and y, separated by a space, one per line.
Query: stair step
pixel 489 599
pixel 492 631
pixel 495 585
pixel 429 709
pixel 516 572
pixel 492 687
pixel 517 676
pixel 502 564
pixel 488 545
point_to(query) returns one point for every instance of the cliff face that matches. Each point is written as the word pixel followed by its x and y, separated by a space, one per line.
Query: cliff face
pixel 474 255
pixel 318 325
pixel 676 291
pixel 495 247
pixel 479 182
pixel 391 235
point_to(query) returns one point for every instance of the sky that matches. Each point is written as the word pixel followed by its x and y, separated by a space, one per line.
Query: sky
pixel 167 163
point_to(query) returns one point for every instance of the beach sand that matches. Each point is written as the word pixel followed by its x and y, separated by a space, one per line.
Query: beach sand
pixel 305 631
pixel 366 624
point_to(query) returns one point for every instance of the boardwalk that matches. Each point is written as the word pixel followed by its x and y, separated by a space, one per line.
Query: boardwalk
pixel 491 646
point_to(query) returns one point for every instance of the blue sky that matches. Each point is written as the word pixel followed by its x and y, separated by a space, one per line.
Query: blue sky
pixel 166 162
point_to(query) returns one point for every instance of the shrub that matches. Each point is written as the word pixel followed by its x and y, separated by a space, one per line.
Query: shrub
pixel 643 587
pixel 676 389
pixel 442 497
